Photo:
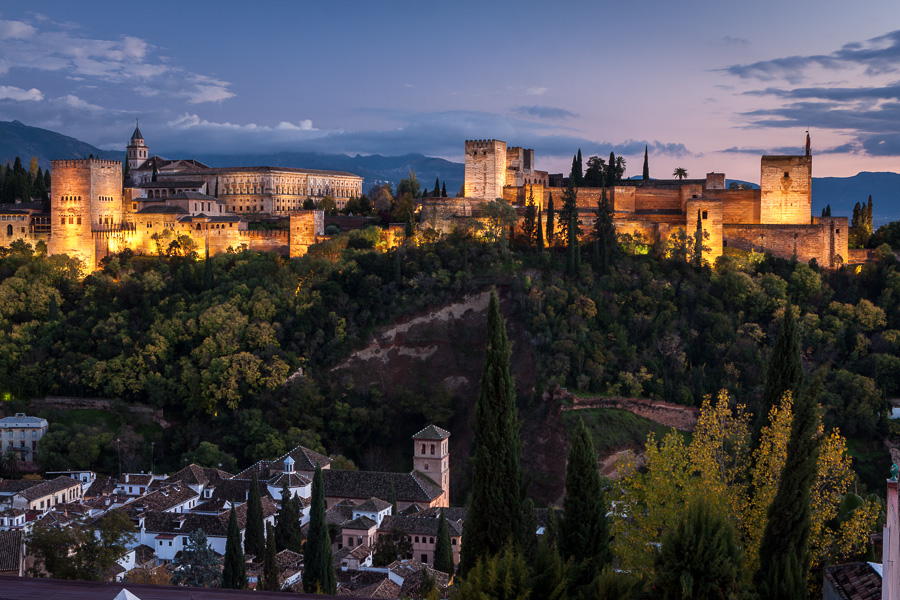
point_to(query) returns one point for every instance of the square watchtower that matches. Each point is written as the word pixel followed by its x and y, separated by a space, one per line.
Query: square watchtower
pixel 431 456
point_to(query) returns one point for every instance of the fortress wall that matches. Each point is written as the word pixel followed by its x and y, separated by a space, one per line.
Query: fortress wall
pixel 305 227
pixel 105 192
pixel 786 190
pixel 740 206
pixel 710 212
pixel 622 199
pixel 824 241
pixel 485 173
pixel 647 230
pixel 657 199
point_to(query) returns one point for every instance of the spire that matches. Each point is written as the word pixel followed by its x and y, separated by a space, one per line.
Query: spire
pixel 808 145
pixel 137 135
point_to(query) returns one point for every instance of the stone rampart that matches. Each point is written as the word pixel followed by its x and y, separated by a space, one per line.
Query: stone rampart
pixel 739 206
pixel 826 241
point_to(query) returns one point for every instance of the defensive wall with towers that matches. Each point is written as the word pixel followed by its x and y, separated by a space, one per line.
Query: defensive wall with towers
pixel 775 218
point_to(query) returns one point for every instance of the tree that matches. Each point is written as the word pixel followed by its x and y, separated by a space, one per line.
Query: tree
pixel 584 531
pixel 437 188
pixel 826 212
pixel 254 536
pixel 529 222
pixel 785 541
pixel 148 574
pixel 697 254
pixel 577 173
pixel 318 575
pixel 491 522
pixel 392 498
pixel 569 214
pixel 288 535
pixel 612 173
pixel 646 173
pixel 499 217
pixel 539 235
pixel 680 173
pixel 271 579
pixel 198 565
pixel 391 546
pixel 503 575
pixel 784 372
pixel 604 231
pixel 595 175
pixel 443 550
pixel 234 570
pixel 550 229
pixel 444 190
pixel 699 559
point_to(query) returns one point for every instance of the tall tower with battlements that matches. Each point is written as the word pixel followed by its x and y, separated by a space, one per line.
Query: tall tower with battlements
pixel 431 456
pixel 137 150
pixel 485 169
pixel 786 189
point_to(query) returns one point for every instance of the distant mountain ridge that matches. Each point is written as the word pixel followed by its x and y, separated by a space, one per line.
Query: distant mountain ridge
pixel 18 139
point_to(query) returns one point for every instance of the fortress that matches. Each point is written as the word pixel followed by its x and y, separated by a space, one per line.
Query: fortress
pixel 776 218
pixel 96 211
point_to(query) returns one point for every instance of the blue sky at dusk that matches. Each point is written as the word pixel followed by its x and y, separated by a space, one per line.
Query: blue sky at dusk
pixel 707 85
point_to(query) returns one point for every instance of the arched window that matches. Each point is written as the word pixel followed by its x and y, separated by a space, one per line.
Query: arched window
pixel 9 230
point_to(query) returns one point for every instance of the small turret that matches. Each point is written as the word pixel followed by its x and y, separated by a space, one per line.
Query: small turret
pixel 289 464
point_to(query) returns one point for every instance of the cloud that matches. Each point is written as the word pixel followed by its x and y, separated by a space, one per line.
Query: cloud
pixel 876 56
pixel 536 91
pixel 129 62
pixel 735 41
pixel 77 103
pixel 544 112
pixel 8 92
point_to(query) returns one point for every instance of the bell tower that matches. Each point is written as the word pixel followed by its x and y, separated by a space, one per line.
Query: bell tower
pixel 431 456
pixel 137 150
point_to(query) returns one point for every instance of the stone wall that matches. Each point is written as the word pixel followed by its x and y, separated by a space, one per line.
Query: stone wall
pixel 826 240
pixel 485 169
pixel 786 190
pixel 306 226
pixel 710 213
pixel 739 206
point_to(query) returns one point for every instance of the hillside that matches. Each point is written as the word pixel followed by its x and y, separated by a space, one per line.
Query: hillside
pixel 843 192
pixel 18 139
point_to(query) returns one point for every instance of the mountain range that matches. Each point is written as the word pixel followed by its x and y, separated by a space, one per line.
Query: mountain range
pixel 18 139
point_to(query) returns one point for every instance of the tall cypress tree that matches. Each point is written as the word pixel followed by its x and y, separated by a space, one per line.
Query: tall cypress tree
pixel 612 175
pixel 784 372
pixel 604 232
pixel 254 534
pixel 540 233
pixel 271 580
pixel 529 221
pixel 646 174
pixel 437 188
pixel 698 242
pixel 392 498
pixel 584 531
pixel 444 190
pixel 784 548
pixel 318 575
pixel 569 214
pixel 494 510
pixel 550 220
pixel 443 550
pixel 288 535
pixel 234 571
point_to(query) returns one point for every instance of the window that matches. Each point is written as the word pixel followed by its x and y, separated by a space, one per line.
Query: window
pixel 417 539
pixel 423 448
pixel 170 544
pixel 786 174
pixel 453 542
pixel 350 541
pixel 22 434
pixel 426 466
pixel 431 540
pixel 432 449
pixel 424 558
pixel 838 231
pixel 9 230
pixel 703 214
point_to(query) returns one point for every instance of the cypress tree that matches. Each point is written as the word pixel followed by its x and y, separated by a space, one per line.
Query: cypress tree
pixel 271 580
pixel 437 188
pixel 529 222
pixel 318 560
pixel 604 231
pixel 254 534
pixel 495 506
pixel 444 190
pixel 584 532
pixel 550 220
pixel 398 272
pixel 612 175
pixel 528 527
pixel 287 522
pixel 392 498
pixel 234 571
pixel 571 250
pixel 698 242
pixel 784 372
pixel 569 214
pixel 53 309
pixel 646 175
pixel 409 231
pixel 540 233
pixel 784 548
pixel 443 550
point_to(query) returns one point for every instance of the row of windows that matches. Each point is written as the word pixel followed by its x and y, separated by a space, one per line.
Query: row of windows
pixel 70 198
pixel 72 221
pixel 105 198
pixel 13 217
pixel 22 433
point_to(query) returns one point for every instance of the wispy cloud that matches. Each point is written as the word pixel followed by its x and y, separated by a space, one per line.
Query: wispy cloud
pixel 735 41
pixel 9 92
pixel 127 60
pixel 544 112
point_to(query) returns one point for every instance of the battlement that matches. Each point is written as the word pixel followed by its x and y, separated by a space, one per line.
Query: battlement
pixel 83 162
pixel 473 145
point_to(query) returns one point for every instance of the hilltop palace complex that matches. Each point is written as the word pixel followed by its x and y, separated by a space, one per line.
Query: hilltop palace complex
pixel 96 210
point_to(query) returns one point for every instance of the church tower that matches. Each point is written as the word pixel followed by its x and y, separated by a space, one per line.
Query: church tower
pixel 137 150
pixel 431 456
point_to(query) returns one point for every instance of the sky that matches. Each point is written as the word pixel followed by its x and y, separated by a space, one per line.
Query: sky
pixel 708 86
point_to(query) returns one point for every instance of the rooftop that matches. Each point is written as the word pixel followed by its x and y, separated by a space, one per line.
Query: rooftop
pixel 432 432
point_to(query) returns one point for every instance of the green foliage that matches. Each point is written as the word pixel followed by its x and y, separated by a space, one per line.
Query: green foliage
pixel 288 534
pixel 530 222
pixel 491 524
pixel 198 565
pixel 443 551
pixel 551 229
pixel 254 534
pixel 646 172
pixel 784 373
pixel 699 558
pixel 318 574
pixel 499 217
pixel 393 545
pixel 234 570
pixel 584 531
pixel 271 579
pixel 503 576
pixel 784 549
pixel 595 175
pixel 80 550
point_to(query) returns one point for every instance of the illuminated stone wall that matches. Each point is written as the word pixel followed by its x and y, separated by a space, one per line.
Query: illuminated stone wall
pixel 485 169
pixel 786 190
pixel 305 227
pixel 826 240
pixel 710 211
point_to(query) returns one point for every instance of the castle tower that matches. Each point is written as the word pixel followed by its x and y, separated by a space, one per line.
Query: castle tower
pixel 786 189
pixel 485 169
pixel 431 456
pixel 86 198
pixel 137 150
